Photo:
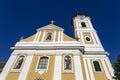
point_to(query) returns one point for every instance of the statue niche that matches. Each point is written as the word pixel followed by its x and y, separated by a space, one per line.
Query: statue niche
pixel 19 62
pixel 67 64
pixel 49 37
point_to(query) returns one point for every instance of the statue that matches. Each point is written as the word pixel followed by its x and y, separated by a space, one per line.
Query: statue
pixel 67 63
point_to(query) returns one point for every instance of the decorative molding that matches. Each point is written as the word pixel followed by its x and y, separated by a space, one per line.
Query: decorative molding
pixel 90 70
pixel 78 68
pixel 43 36
pixel 50 52
pixel 57 68
pixel 38 36
pixel 86 69
pixel 109 66
pixel 106 70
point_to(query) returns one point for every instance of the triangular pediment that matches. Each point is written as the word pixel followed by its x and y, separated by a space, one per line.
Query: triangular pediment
pixel 50 27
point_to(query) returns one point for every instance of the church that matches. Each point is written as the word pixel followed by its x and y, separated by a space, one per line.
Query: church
pixel 50 54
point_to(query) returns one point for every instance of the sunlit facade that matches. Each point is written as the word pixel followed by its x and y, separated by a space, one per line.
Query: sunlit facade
pixel 50 54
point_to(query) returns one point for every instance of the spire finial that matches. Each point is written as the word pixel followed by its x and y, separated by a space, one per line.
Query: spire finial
pixel 52 22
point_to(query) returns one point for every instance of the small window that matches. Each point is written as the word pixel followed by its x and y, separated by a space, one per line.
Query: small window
pixel 19 62
pixel 43 63
pixel 97 66
pixel 49 37
pixel 67 63
pixel 87 38
pixel 83 24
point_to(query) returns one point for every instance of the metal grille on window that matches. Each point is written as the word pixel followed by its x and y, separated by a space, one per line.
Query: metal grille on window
pixel 43 62
pixel 67 63
pixel 97 66
pixel 19 62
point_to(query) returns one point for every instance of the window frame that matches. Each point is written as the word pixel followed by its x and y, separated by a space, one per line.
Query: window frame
pixel 14 63
pixel 99 65
pixel 71 63
pixel 43 70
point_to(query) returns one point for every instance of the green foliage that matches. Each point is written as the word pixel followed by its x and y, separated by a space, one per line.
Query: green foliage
pixel 116 66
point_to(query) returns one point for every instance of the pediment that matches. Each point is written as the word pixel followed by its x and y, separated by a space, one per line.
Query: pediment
pixel 50 27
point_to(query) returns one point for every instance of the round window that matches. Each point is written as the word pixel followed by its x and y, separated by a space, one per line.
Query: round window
pixel 87 38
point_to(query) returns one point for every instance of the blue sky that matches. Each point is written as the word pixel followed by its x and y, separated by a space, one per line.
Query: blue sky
pixel 22 18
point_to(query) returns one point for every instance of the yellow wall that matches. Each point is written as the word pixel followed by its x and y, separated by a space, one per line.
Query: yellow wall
pixel 12 76
pixel 46 75
pixel 29 39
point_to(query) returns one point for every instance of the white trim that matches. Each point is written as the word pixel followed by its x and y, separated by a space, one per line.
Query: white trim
pixel 82 37
pixel 7 67
pixel 39 36
pixel 78 35
pixel 36 35
pixel 59 36
pixel 57 67
pixel 26 68
pixel 76 52
pixel 78 68
pixel 93 38
pixel 94 56
pixel 109 66
pixel 54 37
pixel 90 23
pixel 90 70
pixel 41 71
pixel 105 69
pixel 86 70
pixel 98 40
pixel 43 36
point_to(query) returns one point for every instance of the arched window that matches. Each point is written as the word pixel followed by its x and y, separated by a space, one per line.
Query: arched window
pixel 19 62
pixel 43 63
pixel 49 37
pixel 97 66
pixel 83 24
pixel 67 63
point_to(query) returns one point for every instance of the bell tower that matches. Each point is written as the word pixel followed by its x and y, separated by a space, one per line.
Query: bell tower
pixel 85 33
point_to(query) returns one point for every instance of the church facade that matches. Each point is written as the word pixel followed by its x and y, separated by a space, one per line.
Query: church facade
pixel 50 54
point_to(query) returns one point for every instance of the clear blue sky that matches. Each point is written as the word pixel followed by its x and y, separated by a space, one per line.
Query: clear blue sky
pixel 22 18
